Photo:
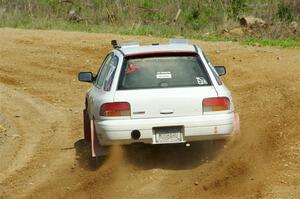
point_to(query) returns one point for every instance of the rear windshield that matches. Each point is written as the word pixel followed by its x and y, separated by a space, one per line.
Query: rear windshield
pixel 163 72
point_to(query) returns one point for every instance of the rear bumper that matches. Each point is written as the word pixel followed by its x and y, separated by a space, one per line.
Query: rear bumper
pixel 195 128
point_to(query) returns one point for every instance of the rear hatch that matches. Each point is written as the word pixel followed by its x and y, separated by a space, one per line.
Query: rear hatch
pixel 164 85
pixel 169 102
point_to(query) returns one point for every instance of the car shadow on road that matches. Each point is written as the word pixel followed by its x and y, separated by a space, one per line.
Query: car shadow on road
pixel 174 157
pixel 84 158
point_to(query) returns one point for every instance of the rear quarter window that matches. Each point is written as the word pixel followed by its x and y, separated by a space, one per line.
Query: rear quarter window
pixel 216 76
pixel 111 73
pixel 163 71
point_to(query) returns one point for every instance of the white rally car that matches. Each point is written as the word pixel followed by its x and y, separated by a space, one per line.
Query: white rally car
pixel 157 94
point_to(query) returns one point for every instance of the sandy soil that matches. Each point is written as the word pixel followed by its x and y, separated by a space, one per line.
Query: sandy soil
pixel 43 154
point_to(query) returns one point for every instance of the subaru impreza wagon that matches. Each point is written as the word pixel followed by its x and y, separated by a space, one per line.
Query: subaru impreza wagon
pixel 157 94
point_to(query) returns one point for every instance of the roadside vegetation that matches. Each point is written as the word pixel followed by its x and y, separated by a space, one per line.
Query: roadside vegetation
pixel 266 22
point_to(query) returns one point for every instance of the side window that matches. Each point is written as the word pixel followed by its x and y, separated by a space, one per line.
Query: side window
pixel 111 73
pixel 103 71
pixel 216 75
pixel 207 59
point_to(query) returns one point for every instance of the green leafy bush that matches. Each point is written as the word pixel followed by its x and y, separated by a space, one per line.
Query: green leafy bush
pixel 284 12
pixel 236 8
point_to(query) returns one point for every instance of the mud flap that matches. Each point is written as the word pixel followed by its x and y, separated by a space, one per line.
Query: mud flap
pixel 95 146
pixel 236 124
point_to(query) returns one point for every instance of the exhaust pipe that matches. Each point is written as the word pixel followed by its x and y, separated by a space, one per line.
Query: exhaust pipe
pixel 135 134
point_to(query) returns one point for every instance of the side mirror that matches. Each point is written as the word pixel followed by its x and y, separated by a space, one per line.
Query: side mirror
pixel 221 70
pixel 85 77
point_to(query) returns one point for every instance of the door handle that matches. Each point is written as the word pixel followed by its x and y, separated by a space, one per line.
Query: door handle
pixel 165 112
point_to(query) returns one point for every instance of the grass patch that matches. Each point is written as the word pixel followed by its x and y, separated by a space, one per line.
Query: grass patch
pixel 284 43
pixel 216 38
pixel 148 30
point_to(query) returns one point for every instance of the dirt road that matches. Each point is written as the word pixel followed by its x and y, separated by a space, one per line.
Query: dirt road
pixel 43 154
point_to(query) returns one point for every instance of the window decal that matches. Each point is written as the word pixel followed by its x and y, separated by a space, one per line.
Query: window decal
pixel 163 75
pixel 201 81
pixel 132 68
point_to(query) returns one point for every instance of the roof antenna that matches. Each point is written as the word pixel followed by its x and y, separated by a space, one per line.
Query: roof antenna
pixel 115 44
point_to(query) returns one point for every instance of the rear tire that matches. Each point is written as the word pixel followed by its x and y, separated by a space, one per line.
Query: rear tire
pixel 86 126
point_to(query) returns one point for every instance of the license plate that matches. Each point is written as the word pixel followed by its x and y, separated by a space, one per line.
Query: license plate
pixel 168 134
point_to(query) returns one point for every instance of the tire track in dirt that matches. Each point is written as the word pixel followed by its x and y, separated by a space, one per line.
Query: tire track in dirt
pixel 41 67
pixel 38 124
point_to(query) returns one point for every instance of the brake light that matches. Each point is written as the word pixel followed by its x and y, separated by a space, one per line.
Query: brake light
pixel 115 109
pixel 216 104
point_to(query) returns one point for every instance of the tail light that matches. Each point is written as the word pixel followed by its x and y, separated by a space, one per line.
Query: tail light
pixel 216 104
pixel 115 109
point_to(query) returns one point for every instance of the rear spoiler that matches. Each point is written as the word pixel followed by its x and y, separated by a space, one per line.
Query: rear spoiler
pixel 115 44
pixel 162 53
